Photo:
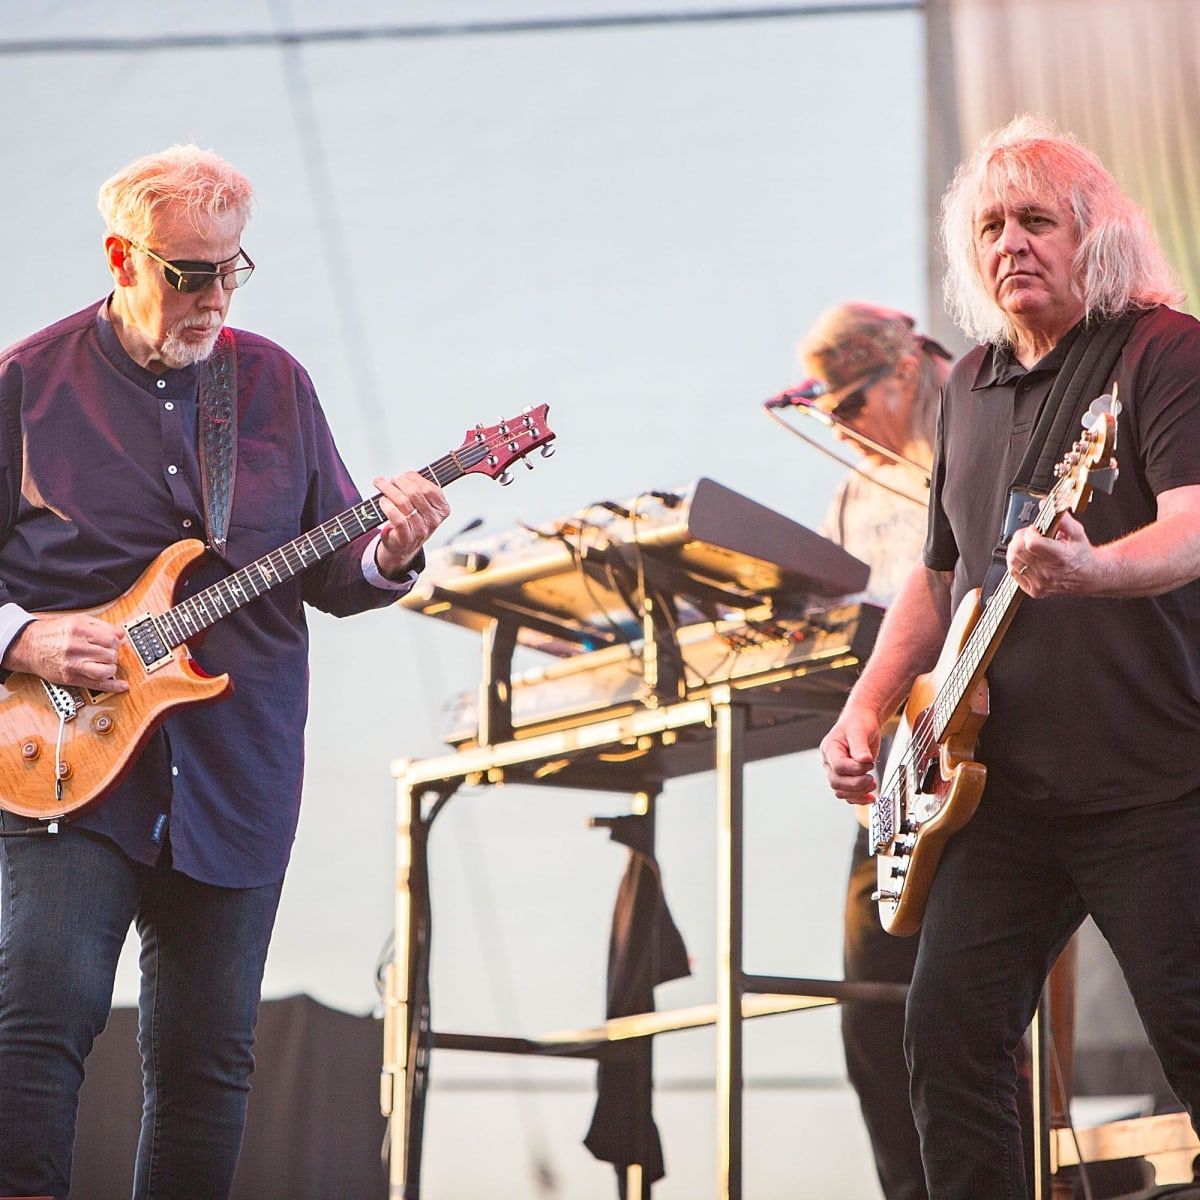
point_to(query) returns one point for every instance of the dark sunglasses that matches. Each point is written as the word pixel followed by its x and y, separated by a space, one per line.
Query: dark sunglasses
pixel 850 407
pixel 187 276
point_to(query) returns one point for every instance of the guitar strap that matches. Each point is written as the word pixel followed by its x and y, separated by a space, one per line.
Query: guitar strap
pixel 1091 356
pixel 218 437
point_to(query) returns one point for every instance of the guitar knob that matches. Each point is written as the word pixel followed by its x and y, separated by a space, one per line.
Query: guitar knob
pixel 505 478
pixel 31 750
pixel 528 464
pixel 882 895
pixel 65 770
pixel 899 872
pixel 548 450
pixel 103 724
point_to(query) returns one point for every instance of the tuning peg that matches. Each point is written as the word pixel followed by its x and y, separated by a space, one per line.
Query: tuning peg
pixel 505 478
pixel 1106 404
pixel 528 464
pixel 548 450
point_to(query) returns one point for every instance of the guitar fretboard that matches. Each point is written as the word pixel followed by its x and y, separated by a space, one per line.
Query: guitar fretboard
pixel 985 637
pixel 206 608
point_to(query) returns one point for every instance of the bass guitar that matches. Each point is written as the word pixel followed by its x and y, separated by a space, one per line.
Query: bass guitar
pixel 931 784
pixel 62 749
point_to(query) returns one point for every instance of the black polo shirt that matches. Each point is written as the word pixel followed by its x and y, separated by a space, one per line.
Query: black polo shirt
pixel 1095 703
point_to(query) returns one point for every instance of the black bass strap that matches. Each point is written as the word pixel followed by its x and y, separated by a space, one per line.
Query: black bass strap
pixel 1085 374
pixel 218 437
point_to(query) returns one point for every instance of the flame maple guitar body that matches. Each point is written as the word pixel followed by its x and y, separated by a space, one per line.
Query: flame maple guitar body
pixel 50 767
pixel 938 786
pixel 101 742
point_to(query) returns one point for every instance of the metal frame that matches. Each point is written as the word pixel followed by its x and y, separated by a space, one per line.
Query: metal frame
pixel 670 738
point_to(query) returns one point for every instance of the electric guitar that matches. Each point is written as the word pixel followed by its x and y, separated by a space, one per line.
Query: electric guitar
pixel 62 749
pixel 931 784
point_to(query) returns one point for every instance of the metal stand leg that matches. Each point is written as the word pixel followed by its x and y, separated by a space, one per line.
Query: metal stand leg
pixel 1043 1168
pixel 730 730
pixel 637 1187
pixel 406 1025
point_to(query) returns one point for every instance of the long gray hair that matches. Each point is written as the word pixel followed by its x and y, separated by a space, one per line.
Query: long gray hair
pixel 1118 264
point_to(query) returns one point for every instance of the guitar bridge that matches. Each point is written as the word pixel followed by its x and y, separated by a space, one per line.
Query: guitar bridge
pixel 147 641
pixel 65 701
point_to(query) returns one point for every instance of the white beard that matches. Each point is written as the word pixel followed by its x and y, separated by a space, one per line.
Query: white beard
pixel 177 353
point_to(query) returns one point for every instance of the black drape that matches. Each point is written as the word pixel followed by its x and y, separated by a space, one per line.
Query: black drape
pixel 644 949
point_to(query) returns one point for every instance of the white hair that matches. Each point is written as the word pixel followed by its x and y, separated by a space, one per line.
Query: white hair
pixel 183 177
pixel 1118 263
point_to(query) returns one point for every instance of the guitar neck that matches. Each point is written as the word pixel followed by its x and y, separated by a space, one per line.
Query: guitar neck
pixel 976 655
pixel 206 608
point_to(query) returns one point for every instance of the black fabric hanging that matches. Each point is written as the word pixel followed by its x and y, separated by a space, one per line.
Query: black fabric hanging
pixel 218 437
pixel 1085 374
pixel 644 949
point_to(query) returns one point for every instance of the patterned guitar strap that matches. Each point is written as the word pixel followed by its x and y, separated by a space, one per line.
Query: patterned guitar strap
pixel 218 437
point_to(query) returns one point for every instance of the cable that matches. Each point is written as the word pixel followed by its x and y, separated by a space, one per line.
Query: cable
pixel 332 242
pixel 379 33
pixel 850 465
pixel 1056 1066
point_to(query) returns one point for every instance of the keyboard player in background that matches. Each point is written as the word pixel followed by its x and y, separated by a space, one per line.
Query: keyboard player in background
pixel 883 381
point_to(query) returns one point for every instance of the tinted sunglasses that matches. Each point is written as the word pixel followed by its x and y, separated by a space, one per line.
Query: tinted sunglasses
pixel 184 275
pixel 850 407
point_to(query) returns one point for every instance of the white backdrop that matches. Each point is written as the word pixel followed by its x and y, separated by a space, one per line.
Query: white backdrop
pixel 633 224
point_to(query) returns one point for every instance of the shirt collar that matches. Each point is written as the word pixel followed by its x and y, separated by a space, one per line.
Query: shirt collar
pixel 178 381
pixel 999 366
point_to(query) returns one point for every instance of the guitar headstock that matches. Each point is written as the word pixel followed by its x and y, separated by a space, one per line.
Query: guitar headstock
pixel 491 449
pixel 1090 463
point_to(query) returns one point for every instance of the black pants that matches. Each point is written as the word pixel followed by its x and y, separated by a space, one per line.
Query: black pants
pixel 873 1035
pixel 1012 888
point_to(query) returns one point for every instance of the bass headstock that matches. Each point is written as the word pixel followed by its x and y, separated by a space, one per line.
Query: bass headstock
pixel 1091 461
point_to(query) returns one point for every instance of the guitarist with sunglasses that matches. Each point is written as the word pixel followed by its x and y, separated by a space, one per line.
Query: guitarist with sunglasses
pixel 1092 743
pixel 116 442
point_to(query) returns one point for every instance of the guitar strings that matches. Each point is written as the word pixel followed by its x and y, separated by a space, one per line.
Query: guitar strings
pixel 229 594
pixel 924 733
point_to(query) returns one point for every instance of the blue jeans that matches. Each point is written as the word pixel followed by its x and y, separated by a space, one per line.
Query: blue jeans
pixel 1012 888
pixel 67 904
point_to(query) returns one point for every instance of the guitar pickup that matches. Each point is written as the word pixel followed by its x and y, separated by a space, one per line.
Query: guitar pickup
pixel 148 642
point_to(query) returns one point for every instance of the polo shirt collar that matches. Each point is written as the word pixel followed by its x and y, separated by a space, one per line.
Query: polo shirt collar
pixel 999 366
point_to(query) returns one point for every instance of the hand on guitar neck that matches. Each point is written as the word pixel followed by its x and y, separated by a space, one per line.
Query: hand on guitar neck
pixel 74 648
pixel 414 507
pixel 1062 565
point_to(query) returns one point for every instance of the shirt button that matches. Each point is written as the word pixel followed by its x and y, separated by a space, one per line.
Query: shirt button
pixel 172 470
pixel 187 522
pixel 162 383
pixel 174 770
pixel 169 406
